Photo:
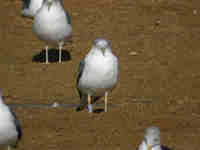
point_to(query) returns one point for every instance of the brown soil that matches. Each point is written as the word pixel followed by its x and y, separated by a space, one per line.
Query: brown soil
pixel 157 43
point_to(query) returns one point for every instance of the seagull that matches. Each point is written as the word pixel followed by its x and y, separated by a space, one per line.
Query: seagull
pixel 51 24
pixel 97 74
pixel 10 131
pixel 152 140
pixel 31 7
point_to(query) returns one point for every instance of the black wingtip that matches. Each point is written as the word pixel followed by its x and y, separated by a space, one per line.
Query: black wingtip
pixel 17 125
pixel 78 109
pixel 15 144
pixel 19 133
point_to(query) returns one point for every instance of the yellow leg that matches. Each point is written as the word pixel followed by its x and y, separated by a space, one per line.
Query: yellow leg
pixel 60 53
pixel 47 61
pixel 106 102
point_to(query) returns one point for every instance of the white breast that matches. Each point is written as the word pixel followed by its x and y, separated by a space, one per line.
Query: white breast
pixel 100 74
pixel 8 132
pixel 52 25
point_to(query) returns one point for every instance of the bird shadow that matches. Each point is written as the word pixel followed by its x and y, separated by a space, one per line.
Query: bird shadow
pixel 53 56
pixel 165 148
pixel 99 110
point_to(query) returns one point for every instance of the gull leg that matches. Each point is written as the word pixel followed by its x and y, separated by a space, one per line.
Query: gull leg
pixel 89 104
pixel 60 53
pixel 47 61
pixel 106 102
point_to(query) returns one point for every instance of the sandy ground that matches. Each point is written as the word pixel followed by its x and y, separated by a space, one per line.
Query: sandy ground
pixel 157 43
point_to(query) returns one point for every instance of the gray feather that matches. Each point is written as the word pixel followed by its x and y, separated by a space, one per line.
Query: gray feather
pixel 83 97
pixel 18 128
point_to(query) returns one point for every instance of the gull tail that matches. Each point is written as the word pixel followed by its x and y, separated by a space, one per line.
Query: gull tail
pixel 83 103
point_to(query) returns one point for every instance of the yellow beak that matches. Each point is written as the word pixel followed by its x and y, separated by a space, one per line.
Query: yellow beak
pixel 103 49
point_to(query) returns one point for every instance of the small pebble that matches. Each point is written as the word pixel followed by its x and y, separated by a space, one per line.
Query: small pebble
pixel 133 53
pixel 157 23
pixel 75 13
pixel 55 104
pixel 194 11
pixel 180 102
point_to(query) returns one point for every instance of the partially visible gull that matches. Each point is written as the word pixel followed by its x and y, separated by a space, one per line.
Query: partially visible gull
pixel 52 25
pixel 97 74
pixel 31 7
pixel 152 140
pixel 10 131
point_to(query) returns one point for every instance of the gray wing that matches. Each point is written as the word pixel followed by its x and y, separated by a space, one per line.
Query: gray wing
pixel 17 124
pixel 83 97
pixel 80 71
pixel 66 14
pixel 68 17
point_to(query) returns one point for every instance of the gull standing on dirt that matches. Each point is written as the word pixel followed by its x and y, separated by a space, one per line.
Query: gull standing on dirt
pixel 151 139
pixel 31 7
pixel 97 74
pixel 10 131
pixel 52 25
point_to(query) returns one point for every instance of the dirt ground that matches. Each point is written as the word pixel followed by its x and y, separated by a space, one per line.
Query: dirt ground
pixel 157 43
